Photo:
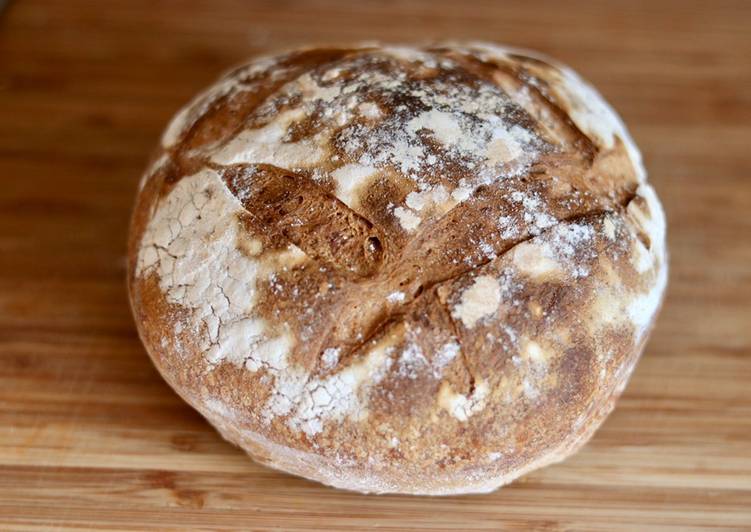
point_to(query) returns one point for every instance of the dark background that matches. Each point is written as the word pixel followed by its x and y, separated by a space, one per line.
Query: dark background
pixel 90 436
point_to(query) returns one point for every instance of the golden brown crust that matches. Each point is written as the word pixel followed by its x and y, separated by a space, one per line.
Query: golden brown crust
pixel 398 269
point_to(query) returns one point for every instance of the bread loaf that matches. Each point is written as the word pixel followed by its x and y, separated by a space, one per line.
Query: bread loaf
pixel 422 270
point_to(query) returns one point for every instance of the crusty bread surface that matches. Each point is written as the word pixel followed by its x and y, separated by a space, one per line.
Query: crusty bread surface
pixel 421 270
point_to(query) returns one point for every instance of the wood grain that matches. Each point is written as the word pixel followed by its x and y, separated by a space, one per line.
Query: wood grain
pixel 91 437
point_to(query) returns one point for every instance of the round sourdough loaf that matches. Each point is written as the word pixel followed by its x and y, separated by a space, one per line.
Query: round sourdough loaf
pixel 422 270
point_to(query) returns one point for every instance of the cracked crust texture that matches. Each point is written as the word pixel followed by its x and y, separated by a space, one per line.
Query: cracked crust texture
pixel 422 270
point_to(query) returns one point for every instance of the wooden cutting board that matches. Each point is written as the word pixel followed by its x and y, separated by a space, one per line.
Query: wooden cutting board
pixel 91 437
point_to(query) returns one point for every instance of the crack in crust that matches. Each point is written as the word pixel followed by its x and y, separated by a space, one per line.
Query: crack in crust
pixel 298 210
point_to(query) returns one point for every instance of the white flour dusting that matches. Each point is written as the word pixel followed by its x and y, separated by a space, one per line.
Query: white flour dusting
pixel 564 250
pixel 411 361
pixel 460 406
pixel 349 179
pixel 407 218
pixel 339 395
pixel 396 297
pixel 330 357
pixel 478 301
pixel 267 145
pixel 444 356
pixel 535 216
pixel 214 280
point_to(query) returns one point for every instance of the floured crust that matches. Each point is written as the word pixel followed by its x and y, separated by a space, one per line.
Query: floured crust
pixel 394 269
